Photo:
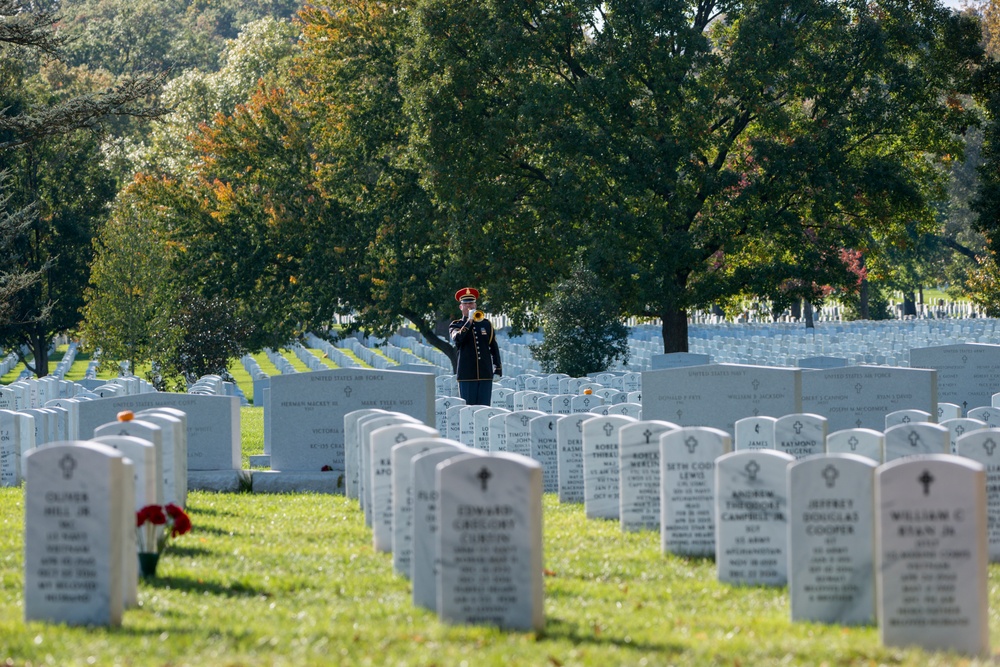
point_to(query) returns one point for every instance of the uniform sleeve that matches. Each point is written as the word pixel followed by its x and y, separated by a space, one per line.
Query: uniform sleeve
pixel 455 332
pixel 495 351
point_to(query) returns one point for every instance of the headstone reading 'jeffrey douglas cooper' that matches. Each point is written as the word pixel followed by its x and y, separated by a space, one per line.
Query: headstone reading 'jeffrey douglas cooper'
pixel 73 539
pixel 831 539
pixel 490 541
pixel 751 517
pixel 687 488
pixel 931 557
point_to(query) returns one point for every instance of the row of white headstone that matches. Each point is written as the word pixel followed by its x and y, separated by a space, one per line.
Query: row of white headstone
pixel 464 525
pixel 81 498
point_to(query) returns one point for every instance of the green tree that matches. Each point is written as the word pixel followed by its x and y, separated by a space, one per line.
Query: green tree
pixel 128 302
pixel 50 130
pixel 584 332
pixel 675 139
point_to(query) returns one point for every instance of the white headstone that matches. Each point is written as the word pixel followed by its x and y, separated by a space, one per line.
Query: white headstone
pixel 915 439
pixel 73 502
pixel 751 517
pixel 687 488
pixel 931 555
pixel 639 474
pixel 754 433
pixel 831 539
pixel 860 441
pixel 490 542
pixel 600 466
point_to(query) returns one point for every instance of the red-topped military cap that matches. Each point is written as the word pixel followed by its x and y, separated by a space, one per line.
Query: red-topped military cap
pixel 467 294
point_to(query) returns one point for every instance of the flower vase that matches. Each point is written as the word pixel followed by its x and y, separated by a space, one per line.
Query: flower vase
pixel 147 563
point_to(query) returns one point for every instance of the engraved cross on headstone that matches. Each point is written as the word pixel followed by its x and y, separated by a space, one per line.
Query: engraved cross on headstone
pixel 858 387
pixel 400 438
pixel 484 476
pixel 914 438
pixel 798 427
pixel 926 480
pixel 524 420
pixel 906 419
pixel 989 445
pixel 756 384
pixel 691 442
pixel 752 469
pixel 67 464
pixel 853 442
pixel 648 434
pixel 348 391
pixel 830 474
pixel 608 428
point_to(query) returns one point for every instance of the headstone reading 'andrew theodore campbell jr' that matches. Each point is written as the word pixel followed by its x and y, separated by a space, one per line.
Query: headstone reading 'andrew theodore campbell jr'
pixel 931 560
pixel 861 441
pixel 831 539
pixel 639 474
pixel 718 395
pixel 861 396
pixel 600 466
pixel 968 374
pixel 490 541
pixel 687 488
pixel 74 529
pixel 307 411
pixel 982 447
pixel 751 517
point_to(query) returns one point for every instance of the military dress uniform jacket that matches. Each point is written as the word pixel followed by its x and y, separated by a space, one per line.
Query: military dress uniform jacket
pixel 478 352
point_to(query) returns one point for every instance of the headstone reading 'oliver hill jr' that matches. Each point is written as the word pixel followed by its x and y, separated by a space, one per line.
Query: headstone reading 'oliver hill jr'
pixel 73 502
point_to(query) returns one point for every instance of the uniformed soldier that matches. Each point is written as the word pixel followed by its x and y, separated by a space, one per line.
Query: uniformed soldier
pixel 478 353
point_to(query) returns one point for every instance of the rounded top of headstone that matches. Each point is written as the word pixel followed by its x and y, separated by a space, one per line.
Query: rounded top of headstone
pixel 126 416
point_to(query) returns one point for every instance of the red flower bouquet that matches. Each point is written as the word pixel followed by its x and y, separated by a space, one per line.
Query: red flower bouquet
pixel 158 523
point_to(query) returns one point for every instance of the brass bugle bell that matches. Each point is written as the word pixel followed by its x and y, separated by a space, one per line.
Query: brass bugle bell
pixel 478 316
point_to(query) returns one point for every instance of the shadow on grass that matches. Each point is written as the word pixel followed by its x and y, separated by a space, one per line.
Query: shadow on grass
pixel 557 629
pixel 212 530
pixel 235 589
pixel 190 551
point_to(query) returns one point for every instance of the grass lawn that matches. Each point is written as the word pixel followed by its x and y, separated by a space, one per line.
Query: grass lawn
pixel 293 580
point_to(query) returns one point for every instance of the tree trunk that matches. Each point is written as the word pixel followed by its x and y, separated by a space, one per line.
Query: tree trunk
pixel 39 344
pixel 797 309
pixel 675 330
pixel 909 305
pixel 863 312
pixel 808 312
pixel 433 338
